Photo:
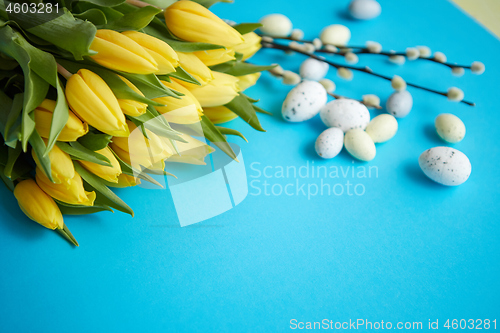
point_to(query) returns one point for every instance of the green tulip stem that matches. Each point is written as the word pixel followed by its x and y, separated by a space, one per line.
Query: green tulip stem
pixel 67 235
pixel 63 71
pixel 140 4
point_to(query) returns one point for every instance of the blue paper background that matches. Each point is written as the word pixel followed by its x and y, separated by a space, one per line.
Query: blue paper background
pixel 407 250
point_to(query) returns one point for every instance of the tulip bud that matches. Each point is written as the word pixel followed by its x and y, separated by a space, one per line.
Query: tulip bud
pixel 119 52
pixel 191 21
pixel 137 150
pixel 129 106
pixel 183 110
pixel 250 46
pixel 73 129
pixel 126 181
pixel 194 66
pixel 71 192
pixel 108 173
pixel 191 152
pixel 215 57
pixel 162 53
pixel 246 81
pixel 93 101
pixel 221 90
pixel 61 165
pixel 37 205
pixel 219 114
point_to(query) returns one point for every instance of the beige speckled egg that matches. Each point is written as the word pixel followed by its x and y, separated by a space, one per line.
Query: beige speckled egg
pixel 382 128
pixel 450 128
pixel 360 145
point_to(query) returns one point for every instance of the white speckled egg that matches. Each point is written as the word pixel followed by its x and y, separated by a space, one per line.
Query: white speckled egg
pixel 304 101
pixel 345 114
pixel 336 34
pixel 312 69
pixel 450 128
pixel 445 165
pixel 399 103
pixel 277 25
pixel 330 142
pixel 364 9
pixel 382 128
pixel 360 145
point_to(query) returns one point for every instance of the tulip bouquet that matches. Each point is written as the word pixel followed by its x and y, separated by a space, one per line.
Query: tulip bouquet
pixel 100 93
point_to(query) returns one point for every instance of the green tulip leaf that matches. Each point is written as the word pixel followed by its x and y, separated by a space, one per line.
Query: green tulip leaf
pixel 38 146
pixel 136 20
pixel 209 3
pixel 79 152
pixel 230 131
pixel 95 141
pixel 104 194
pixel 244 28
pixel 13 117
pixel 68 209
pixel 213 135
pixel 128 170
pixel 182 75
pixel 150 85
pixel 243 108
pixel 156 123
pixel 110 13
pixel 259 110
pixel 105 3
pixel 12 156
pixel 239 68
pixel 9 183
pixel 94 15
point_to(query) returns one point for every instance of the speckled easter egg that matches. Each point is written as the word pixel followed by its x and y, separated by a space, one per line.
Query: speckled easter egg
pixel 445 165
pixel 360 145
pixel 382 128
pixel 330 142
pixel 312 69
pixel 304 101
pixel 345 114
pixel 277 25
pixel 364 9
pixel 450 128
pixel 399 103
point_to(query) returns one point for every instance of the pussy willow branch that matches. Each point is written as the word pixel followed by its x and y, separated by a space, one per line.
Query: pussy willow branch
pixel 343 49
pixel 367 70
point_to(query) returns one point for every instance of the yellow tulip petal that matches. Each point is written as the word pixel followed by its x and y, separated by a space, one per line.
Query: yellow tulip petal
pixel 194 66
pixel 215 57
pixel 219 114
pixel 72 193
pixel 108 173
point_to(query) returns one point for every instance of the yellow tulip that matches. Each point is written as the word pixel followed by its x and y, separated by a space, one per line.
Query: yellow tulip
pixel 61 165
pixel 163 54
pixel 129 106
pixel 219 114
pixel 194 66
pixel 183 110
pixel 72 193
pixel 250 46
pixel 37 205
pixel 73 129
pixel 108 173
pixel 126 181
pixel 191 152
pixel 93 101
pixel 191 21
pixel 119 52
pixel 215 57
pixel 138 150
pixel 246 81
pixel 221 90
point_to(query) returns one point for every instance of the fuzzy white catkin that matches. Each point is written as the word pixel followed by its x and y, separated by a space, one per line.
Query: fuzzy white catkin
pixel 297 34
pixel 277 25
pixel 440 57
pixel 412 53
pixel 328 84
pixel 351 58
pixel 317 43
pixel 345 73
pixel 425 51
pixel 309 48
pixel 295 46
pixel 277 71
pixel 331 48
pixel 457 71
pixel 455 94
pixel 267 39
pixel 230 22
pixel 397 59
pixel 373 47
pixel 477 68
pixel 291 78
pixel 398 83
pixel 371 100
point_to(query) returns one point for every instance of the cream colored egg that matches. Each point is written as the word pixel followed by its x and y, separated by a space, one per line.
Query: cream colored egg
pixel 277 25
pixel 450 128
pixel 382 128
pixel 336 34
pixel 360 145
